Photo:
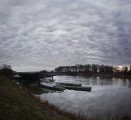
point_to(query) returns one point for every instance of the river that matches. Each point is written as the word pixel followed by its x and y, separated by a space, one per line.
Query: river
pixel 108 96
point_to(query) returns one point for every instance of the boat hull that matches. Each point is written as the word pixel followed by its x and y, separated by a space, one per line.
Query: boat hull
pixel 78 88
pixel 52 88
pixel 70 84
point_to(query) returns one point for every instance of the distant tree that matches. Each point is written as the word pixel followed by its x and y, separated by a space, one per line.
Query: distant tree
pixel 59 69
pixel 130 69
pixel 101 69
pixel 94 68
pixel 89 68
pixel 4 66
pixel 115 70
pixel 108 69
pixel 125 69
pixel 6 70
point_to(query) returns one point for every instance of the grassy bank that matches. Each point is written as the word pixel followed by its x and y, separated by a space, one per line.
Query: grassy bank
pixel 17 103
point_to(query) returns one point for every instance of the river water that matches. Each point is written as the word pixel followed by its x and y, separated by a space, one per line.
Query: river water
pixel 108 96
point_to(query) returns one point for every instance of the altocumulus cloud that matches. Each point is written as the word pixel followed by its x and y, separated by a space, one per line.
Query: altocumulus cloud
pixel 44 34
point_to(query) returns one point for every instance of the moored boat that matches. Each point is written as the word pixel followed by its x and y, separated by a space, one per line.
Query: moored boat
pixel 52 85
pixel 78 88
pixel 70 84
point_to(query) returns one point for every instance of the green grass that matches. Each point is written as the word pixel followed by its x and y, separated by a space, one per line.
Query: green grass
pixel 17 104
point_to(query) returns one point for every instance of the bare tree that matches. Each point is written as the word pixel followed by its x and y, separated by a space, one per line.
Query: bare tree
pixel 6 70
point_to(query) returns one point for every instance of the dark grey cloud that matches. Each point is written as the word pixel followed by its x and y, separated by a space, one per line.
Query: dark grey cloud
pixel 44 34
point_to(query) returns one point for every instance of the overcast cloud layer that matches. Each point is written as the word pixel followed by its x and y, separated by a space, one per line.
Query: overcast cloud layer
pixel 44 34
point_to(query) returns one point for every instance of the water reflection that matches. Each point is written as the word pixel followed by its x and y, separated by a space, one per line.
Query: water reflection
pixel 107 96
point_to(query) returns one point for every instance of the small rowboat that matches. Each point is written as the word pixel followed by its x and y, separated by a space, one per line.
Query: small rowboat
pixel 70 84
pixel 52 85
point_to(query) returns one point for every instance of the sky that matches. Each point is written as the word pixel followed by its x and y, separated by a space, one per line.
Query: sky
pixel 44 34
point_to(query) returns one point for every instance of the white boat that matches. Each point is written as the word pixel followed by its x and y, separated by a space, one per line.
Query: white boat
pixel 52 85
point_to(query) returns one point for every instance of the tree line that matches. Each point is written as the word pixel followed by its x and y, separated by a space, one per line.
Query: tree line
pixel 93 68
pixel 6 70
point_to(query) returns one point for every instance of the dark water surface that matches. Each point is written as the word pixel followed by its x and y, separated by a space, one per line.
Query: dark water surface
pixel 108 96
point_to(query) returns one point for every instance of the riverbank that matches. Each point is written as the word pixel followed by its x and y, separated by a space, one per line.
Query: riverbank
pixel 17 103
